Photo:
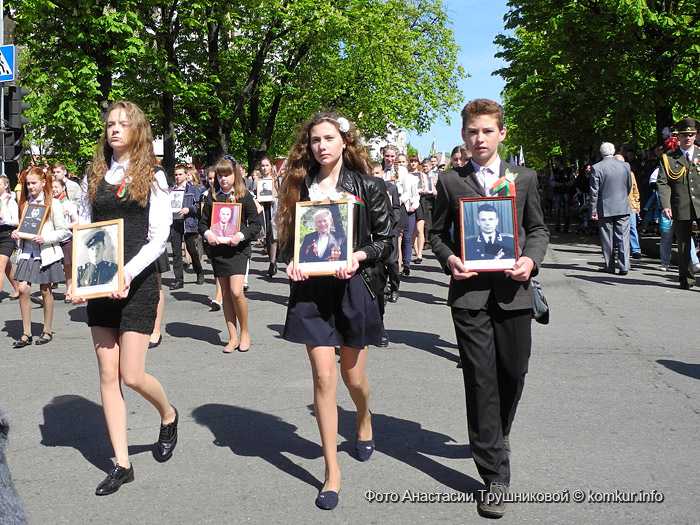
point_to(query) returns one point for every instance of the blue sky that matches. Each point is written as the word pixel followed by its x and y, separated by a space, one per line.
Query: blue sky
pixel 477 58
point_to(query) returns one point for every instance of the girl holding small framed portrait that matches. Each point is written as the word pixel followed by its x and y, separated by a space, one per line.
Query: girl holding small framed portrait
pixel 39 260
pixel 229 254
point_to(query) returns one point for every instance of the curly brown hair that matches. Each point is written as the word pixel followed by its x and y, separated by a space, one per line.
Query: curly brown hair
pixel 142 159
pixel 302 161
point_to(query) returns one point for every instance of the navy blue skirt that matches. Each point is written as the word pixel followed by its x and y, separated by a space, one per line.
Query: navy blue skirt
pixel 325 311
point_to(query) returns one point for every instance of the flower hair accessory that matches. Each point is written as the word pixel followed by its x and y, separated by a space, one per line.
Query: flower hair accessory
pixel 342 122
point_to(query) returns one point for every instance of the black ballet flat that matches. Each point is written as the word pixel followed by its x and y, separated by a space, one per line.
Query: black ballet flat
pixel 364 449
pixel 327 500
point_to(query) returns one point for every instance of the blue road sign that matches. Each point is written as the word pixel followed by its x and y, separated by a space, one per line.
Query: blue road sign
pixel 7 63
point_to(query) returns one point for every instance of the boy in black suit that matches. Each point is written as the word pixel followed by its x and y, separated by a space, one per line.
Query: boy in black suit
pixel 491 311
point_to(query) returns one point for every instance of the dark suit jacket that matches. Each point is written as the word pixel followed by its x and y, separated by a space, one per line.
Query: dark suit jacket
pixel 533 236
pixel 683 193
pixel 309 253
pixel 476 248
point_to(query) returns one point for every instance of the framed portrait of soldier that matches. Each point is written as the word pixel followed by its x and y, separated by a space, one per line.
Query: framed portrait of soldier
pixel 177 199
pixel 33 218
pixel 98 259
pixel 323 236
pixel 265 190
pixel 225 220
pixel 489 233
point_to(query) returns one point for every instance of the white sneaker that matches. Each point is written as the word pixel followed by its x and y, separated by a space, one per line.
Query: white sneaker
pixel 664 268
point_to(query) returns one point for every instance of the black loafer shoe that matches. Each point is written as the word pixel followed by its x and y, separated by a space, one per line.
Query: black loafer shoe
pixel 200 278
pixel 177 285
pixel 167 439
pixel 115 479
pixel 394 297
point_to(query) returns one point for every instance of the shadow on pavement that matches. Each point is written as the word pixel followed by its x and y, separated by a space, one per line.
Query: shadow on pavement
pixel 421 297
pixel 255 434
pixel 190 296
pixel 691 370
pixel 194 331
pixel 76 422
pixel 406 441
pixel 13 327
pixel 424 341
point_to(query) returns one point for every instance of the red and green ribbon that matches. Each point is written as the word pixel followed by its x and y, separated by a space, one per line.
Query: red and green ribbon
pixel 123 187
pixel 507 182
pixel 354 198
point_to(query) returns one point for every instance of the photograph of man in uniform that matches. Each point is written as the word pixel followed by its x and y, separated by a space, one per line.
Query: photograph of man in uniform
pixel 323 245
pixel 227 225
pixel 98 271
pixel 489 243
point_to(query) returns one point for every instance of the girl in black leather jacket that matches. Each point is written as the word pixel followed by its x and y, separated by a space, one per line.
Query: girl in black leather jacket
pixel 328 162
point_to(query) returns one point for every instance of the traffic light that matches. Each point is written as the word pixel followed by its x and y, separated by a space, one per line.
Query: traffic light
pixel 14 131
pixel 16 107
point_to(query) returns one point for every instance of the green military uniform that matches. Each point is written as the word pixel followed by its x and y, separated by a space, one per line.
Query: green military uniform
pixel 679 190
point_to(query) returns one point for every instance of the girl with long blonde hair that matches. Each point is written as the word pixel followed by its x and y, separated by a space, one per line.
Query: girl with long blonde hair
pixel 125 182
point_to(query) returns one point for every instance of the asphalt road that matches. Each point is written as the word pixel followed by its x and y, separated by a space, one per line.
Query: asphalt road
pixel 610 408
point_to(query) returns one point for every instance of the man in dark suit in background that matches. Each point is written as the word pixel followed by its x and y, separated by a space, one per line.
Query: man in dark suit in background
pixel 491 311
pixel 611 183
pixel 679 185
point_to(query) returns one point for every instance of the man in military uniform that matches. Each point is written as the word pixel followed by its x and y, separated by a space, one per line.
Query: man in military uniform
pixel 679 193
pixel 97 271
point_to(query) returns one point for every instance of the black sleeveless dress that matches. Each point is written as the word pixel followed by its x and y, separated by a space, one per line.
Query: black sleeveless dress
pixel 136 313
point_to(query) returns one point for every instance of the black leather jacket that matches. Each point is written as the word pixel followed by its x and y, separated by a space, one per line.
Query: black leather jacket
pixel 372 223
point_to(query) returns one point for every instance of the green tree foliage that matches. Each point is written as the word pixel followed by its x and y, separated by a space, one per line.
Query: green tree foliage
pixel 585 71
pixel 234 77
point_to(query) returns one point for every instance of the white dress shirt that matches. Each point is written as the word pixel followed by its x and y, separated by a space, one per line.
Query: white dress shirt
pixel 159 215
pixel 10 209
pixel 487 175
pixel 689 153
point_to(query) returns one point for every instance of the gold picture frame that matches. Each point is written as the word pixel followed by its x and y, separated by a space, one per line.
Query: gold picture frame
pixel 32 220
pixel 98 259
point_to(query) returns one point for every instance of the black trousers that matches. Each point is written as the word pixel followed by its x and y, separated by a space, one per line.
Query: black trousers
pixel 685 266
pixel 177 232
pixel 494 346
pixel 391 266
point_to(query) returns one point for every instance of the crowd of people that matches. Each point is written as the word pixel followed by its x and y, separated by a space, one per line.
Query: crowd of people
pixel 641 195
pixel 401 206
